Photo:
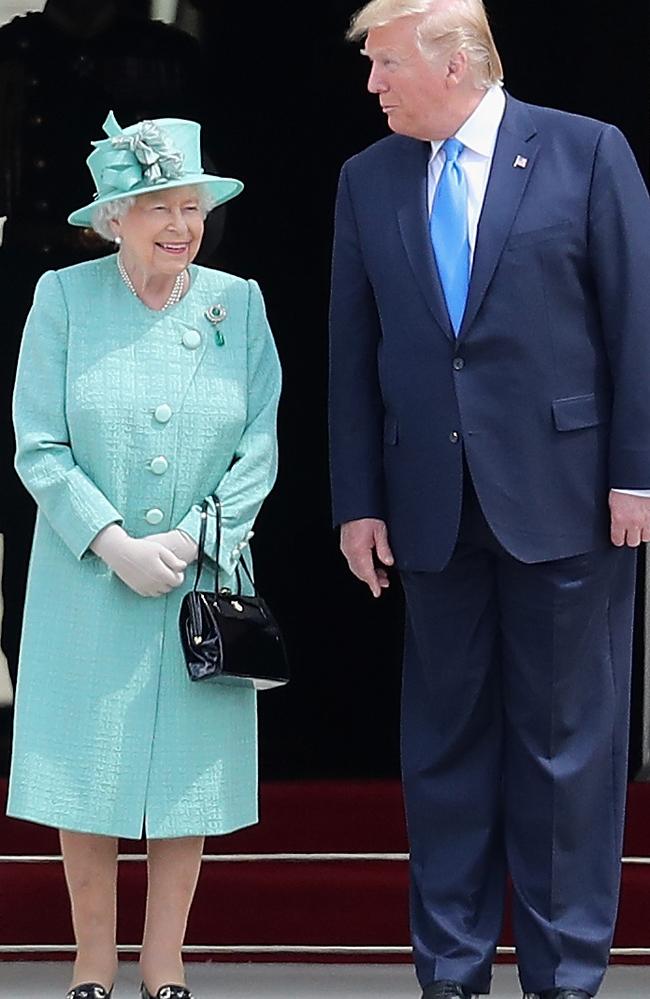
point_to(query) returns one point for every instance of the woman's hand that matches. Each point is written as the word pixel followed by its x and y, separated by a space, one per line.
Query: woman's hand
pixel 144 564
pixel 180 543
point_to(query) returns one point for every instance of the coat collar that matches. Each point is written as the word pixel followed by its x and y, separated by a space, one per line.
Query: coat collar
pixel 412 214
pixel 506 186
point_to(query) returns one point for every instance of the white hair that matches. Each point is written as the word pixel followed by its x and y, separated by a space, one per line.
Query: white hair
pixel 447 26
pixel 119 207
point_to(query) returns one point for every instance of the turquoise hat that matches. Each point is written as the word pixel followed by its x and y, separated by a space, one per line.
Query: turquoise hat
pixel 149 156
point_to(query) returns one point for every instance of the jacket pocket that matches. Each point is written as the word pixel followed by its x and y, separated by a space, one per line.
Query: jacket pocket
pixel 580 411
pixel 390 429
pixel 542 235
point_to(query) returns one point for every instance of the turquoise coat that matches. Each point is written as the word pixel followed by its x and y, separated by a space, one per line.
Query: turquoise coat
pixel 125 414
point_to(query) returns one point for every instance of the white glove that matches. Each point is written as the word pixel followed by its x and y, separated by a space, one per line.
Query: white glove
pixel 145 565
pixel 181 544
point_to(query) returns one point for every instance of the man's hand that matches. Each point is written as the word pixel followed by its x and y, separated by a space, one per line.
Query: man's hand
pixel 361 540
pixel 630 519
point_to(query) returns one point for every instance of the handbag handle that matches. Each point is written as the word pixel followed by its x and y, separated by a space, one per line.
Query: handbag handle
pixel 205 513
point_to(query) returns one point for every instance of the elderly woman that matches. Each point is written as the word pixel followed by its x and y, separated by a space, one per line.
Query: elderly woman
pixel 145 384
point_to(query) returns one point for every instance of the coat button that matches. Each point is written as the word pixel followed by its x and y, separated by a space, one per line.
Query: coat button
pixel 163 413
pixel 191 339
pixel 459 364
pixel 454 437
pixel 154 516
pixel 159 465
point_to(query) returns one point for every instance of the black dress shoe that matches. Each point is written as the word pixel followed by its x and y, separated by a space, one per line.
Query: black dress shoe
pixel 166 992
pixel 447 990
pixel 91 990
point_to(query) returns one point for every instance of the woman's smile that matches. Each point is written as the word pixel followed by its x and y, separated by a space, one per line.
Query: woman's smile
pixel 175 249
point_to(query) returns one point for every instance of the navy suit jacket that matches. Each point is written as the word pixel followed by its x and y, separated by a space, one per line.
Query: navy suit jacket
pixel 546 388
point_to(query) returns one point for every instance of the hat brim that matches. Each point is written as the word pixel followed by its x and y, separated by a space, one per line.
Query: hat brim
pixel 222 189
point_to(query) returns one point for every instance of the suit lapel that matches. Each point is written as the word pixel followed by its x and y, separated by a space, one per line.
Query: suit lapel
pixel 506 186
pixel 412 213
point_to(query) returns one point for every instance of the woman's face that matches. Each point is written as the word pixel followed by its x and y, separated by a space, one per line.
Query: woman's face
pixel 163 230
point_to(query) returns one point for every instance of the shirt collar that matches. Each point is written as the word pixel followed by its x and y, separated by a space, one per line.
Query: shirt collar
pixel 479 132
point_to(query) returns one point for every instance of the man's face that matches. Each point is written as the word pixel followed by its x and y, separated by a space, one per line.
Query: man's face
pixel 415 92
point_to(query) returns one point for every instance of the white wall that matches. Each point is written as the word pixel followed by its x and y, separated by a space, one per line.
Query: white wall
pixel 164 10
pixel 10 8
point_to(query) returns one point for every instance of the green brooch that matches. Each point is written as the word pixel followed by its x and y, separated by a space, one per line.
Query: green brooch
pixel 215 315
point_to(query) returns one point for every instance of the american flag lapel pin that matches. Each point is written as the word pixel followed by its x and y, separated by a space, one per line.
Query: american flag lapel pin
pixel 520 161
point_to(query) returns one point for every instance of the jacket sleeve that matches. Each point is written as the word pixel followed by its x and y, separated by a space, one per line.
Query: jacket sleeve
pixel 356 409
pixel 252 472
pixel 619 223
pixel 71 502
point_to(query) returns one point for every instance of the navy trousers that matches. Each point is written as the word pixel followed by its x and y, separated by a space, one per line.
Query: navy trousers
pixel 514 752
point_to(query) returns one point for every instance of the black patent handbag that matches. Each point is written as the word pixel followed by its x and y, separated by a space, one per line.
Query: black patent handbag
pixel 226 634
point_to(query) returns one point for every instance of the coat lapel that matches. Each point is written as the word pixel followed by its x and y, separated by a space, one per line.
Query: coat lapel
pixel 506 186
pixel 412 214
pixel 194 321
pixel 175 343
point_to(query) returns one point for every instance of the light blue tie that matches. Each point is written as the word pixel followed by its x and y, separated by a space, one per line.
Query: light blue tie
pixel 449 235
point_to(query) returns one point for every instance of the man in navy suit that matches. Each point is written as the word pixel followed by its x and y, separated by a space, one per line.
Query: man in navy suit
pixel 490 436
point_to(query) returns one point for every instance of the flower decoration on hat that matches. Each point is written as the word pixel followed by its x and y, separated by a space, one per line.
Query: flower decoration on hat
pixel 145 157
pixel 146 154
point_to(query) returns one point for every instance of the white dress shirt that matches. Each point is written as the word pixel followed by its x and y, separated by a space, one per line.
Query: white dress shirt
pixel 479 137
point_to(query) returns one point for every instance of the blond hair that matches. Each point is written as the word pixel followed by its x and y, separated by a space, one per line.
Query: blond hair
pixel 448 26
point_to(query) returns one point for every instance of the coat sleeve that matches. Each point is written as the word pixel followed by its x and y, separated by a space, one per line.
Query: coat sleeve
pixel 356 408
pixel 253 469
pixel 619 223
pixel 71 502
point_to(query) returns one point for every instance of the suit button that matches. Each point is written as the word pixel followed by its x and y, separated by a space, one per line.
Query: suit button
pixel 154 516
pixel 191 339
pixel 163 413
pixel 454 437
pixel 159 465
pixel 459 364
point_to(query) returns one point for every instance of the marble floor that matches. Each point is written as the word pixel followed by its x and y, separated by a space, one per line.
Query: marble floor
pixel 41 980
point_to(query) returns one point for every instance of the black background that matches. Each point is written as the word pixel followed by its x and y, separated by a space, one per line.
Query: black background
pixel 286 105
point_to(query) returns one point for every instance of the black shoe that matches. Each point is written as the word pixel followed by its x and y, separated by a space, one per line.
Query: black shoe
pixel 91 990
pixel 166 992
pixel 446 990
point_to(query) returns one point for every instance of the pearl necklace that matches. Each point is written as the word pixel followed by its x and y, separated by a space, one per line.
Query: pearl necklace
pixel 175 295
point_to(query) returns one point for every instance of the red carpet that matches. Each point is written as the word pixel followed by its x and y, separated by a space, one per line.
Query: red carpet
pixel 305 903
